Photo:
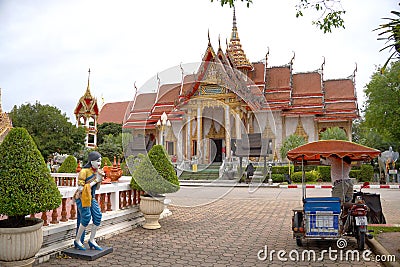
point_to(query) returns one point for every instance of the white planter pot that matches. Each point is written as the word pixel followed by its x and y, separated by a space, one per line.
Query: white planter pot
pixel 20 244
pixel 151 209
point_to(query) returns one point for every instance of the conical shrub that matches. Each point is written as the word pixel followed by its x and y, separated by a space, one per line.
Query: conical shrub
pixel 69 165
pixel 26 186
pixel 154 173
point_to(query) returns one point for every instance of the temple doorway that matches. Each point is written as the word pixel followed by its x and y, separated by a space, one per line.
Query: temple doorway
pixel 217 150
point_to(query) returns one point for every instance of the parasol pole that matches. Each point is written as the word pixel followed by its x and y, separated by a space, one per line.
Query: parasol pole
pixel 303 178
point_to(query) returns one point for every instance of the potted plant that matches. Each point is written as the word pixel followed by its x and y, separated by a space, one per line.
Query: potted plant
pixel 26 187
pixel 154 174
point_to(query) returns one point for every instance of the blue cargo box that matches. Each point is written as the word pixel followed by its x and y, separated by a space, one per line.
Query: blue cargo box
pixel 321 204
pixel 322 216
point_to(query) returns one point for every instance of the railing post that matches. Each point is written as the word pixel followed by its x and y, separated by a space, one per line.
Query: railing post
pixel 44 218
pixel 134 197
pixel 130 198
pixel 54 216
pixel 64 210
pixel 102 202
pixel 73 211
pixel 124 199
pixel 109 202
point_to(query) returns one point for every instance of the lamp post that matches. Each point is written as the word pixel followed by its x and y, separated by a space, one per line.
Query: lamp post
pixel 161 124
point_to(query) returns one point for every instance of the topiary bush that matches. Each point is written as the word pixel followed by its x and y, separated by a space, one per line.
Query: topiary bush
pixel 26 186
pixel 69 165
pixel 154 173
pixel 105 161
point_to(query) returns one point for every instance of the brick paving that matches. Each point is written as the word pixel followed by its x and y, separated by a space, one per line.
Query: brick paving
pixel 227 232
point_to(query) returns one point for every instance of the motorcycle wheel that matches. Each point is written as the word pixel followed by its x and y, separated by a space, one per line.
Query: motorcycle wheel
pixel 360 240
pixel 299 242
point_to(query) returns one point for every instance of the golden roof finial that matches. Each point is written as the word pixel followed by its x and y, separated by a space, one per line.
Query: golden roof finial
pixel 208 35
pixel 88 95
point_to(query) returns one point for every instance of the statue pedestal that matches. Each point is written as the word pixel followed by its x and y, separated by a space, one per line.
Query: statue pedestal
pixel 88 254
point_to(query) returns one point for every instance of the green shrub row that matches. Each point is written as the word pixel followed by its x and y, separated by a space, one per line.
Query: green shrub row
pixel 311 176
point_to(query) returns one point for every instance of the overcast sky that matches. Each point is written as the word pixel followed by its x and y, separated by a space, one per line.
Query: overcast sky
pixel 46 47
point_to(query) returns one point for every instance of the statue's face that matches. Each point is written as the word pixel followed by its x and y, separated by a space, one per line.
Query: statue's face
pixel 96 163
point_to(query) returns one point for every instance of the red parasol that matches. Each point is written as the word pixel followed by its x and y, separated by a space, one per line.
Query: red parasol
pixel 312 152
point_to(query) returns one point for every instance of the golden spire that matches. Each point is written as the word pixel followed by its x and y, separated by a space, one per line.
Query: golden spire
pixel 300 130
pixel 235 48
pixel 88 95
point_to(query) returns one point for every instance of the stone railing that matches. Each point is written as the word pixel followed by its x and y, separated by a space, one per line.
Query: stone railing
pixel 64 179
pixel 111 197
pixel 117 201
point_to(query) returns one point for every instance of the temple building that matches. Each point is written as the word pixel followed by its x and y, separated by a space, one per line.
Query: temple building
pixel 86 114
pixel 5 122
pixel 230 99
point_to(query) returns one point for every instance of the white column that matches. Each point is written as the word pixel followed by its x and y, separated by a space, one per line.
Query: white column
pixel 179 145
pixel 188 130
pixel 237 126
pixel 198 132
pixel 227 133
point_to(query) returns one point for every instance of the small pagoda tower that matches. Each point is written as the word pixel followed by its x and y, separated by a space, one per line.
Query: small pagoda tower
pixel 235 51
pixel 5 123
pixel 86 114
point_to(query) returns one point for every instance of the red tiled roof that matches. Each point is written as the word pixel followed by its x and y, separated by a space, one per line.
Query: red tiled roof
pixel 307 83
pixel 278 77
pixel 113 112
pixel 257 75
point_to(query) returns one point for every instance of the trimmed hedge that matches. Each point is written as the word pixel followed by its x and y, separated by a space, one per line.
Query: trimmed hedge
pixel 367 173
pixel 311 176
pixel 282 169
pixel 69 165
pixel 325 173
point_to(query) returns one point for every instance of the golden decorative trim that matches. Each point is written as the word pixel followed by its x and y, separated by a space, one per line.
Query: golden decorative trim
pixel 213 134
pixel 300 130
pixel 268 133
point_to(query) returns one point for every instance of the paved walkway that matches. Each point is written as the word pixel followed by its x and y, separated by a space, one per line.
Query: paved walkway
pixel 235 230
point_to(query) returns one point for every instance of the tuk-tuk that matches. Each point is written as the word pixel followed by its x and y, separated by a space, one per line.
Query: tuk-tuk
pixel 325 217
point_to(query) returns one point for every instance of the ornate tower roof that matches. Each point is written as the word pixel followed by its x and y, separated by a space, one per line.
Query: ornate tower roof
pixel 87 104
pixel 235 50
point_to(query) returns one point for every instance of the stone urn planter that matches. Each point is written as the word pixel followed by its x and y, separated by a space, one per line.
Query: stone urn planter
pixel 151 207
pixel 18 246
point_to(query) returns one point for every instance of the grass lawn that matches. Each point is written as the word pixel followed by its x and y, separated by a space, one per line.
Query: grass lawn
pixel 383 229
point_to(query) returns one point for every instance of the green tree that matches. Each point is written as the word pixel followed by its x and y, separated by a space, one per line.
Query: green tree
pixel 111 146
pixel 26 186
pixel 329 11
pixel 292 141
pixel 382 108
pixel 69 165
pixel 49 128
pixel 107 128
pixel 390 33
pixel 333 133
pixel 105 161
pixel 330 16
